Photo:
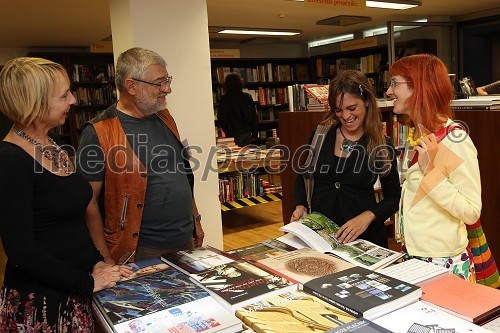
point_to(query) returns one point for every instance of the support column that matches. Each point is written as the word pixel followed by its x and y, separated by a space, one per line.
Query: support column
pixel 178 31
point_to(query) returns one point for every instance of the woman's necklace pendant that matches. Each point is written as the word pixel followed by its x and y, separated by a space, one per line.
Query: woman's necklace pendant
pixel 347 145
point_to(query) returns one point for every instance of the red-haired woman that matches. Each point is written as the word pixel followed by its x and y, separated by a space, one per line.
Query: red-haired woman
pixel 442 190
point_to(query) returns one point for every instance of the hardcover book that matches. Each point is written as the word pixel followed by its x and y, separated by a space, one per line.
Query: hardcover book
pixel 318 232
pixel 415 271
pixel 361 325
pixel 196 260
pixel 266 249
pixel 147 294
pixel 239 283
pixel 362 292
pixel 470 301
pixel 292 312
pixel 201 315
pixel 305 264
pixel 317 91
pixel 145 267
pixel 424 317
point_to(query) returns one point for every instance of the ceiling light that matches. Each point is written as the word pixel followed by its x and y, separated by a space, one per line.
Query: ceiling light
pixel 254 31
pixel 393 4
pixel 332 40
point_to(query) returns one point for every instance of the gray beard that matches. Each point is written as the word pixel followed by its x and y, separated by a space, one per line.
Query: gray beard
pixel 148 109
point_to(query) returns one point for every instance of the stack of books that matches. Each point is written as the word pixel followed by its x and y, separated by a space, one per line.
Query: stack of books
pixel 476 103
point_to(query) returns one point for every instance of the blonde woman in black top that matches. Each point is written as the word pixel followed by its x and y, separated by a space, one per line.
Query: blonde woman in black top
pixel 53 267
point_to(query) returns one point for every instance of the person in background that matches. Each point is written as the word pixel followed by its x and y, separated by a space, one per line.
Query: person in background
pixel 52 267
pixel 442 190
pixel 134 159
pixel 354 154
pixel 489 89
pixel 236 114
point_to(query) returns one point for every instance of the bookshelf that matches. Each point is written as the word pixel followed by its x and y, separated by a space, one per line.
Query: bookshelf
pixel 266 80
pixel 92 83
pixel 241 184
pixel 372 61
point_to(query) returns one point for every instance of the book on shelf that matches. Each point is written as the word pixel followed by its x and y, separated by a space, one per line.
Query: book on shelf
pixel 306 264
pixel 415 271
pixel 470 301
pixel 318 92
pixel 360 325
pixel 292 312
pixel 423 317
pixel 240 282
pixel 266 249
pixel 197 259
pixel 475 107
pixel 363 292
pixel 476 101
pixel 318 232
pixel 142 305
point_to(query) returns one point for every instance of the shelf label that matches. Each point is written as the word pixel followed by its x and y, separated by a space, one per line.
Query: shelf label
pixel 338 4
pixel 101 47
pixel 358 43
pixel 224 53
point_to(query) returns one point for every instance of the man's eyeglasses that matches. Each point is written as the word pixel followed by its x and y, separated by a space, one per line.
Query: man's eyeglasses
pixel 394 83
pixel 161 85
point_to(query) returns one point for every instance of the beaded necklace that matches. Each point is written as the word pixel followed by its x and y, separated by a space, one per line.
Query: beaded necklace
pixel 412 142
pixel 58 156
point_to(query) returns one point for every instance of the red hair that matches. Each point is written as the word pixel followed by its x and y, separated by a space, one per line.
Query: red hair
pixel 432 90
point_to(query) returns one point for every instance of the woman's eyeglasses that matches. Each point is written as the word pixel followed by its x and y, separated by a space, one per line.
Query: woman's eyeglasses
pixel 393 83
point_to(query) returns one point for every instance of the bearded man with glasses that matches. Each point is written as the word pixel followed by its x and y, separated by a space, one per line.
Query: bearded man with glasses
pixel 133 157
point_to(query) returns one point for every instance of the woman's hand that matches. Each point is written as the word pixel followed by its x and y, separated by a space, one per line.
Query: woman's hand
pixel 299 212
pixel 106 275
pixel 427 149
pixel 351 230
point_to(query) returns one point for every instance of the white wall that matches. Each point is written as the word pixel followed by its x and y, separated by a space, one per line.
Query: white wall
pixel 178 31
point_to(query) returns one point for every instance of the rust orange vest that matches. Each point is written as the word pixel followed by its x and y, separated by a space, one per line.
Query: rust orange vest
pixel 125 181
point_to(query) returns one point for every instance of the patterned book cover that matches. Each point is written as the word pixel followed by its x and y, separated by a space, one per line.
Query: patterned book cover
pixel 305 264
pixel 147 294
pixel 266 249
pixel 292 312
pixel 239 283
pixel 362 292
pixel 196 260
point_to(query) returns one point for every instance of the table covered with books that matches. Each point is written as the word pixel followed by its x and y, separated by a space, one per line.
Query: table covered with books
pixel 289 284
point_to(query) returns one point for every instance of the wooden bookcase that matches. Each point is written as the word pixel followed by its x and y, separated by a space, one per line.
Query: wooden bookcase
pixel 92 84
pixel 266 80
pixel 372 61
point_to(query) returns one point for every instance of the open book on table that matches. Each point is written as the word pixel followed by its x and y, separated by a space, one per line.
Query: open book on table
pixel 318 232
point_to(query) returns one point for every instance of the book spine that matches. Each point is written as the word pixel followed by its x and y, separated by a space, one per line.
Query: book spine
pixel 333 302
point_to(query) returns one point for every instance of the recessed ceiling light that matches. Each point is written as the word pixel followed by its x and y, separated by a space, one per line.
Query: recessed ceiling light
pixel 393 4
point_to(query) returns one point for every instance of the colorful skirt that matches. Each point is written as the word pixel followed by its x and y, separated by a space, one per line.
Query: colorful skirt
pixel 30 312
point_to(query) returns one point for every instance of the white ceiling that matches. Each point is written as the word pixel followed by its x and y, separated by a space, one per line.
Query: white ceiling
pixel 73 23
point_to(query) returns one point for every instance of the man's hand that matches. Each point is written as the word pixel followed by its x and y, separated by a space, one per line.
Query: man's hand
pixel 199 234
